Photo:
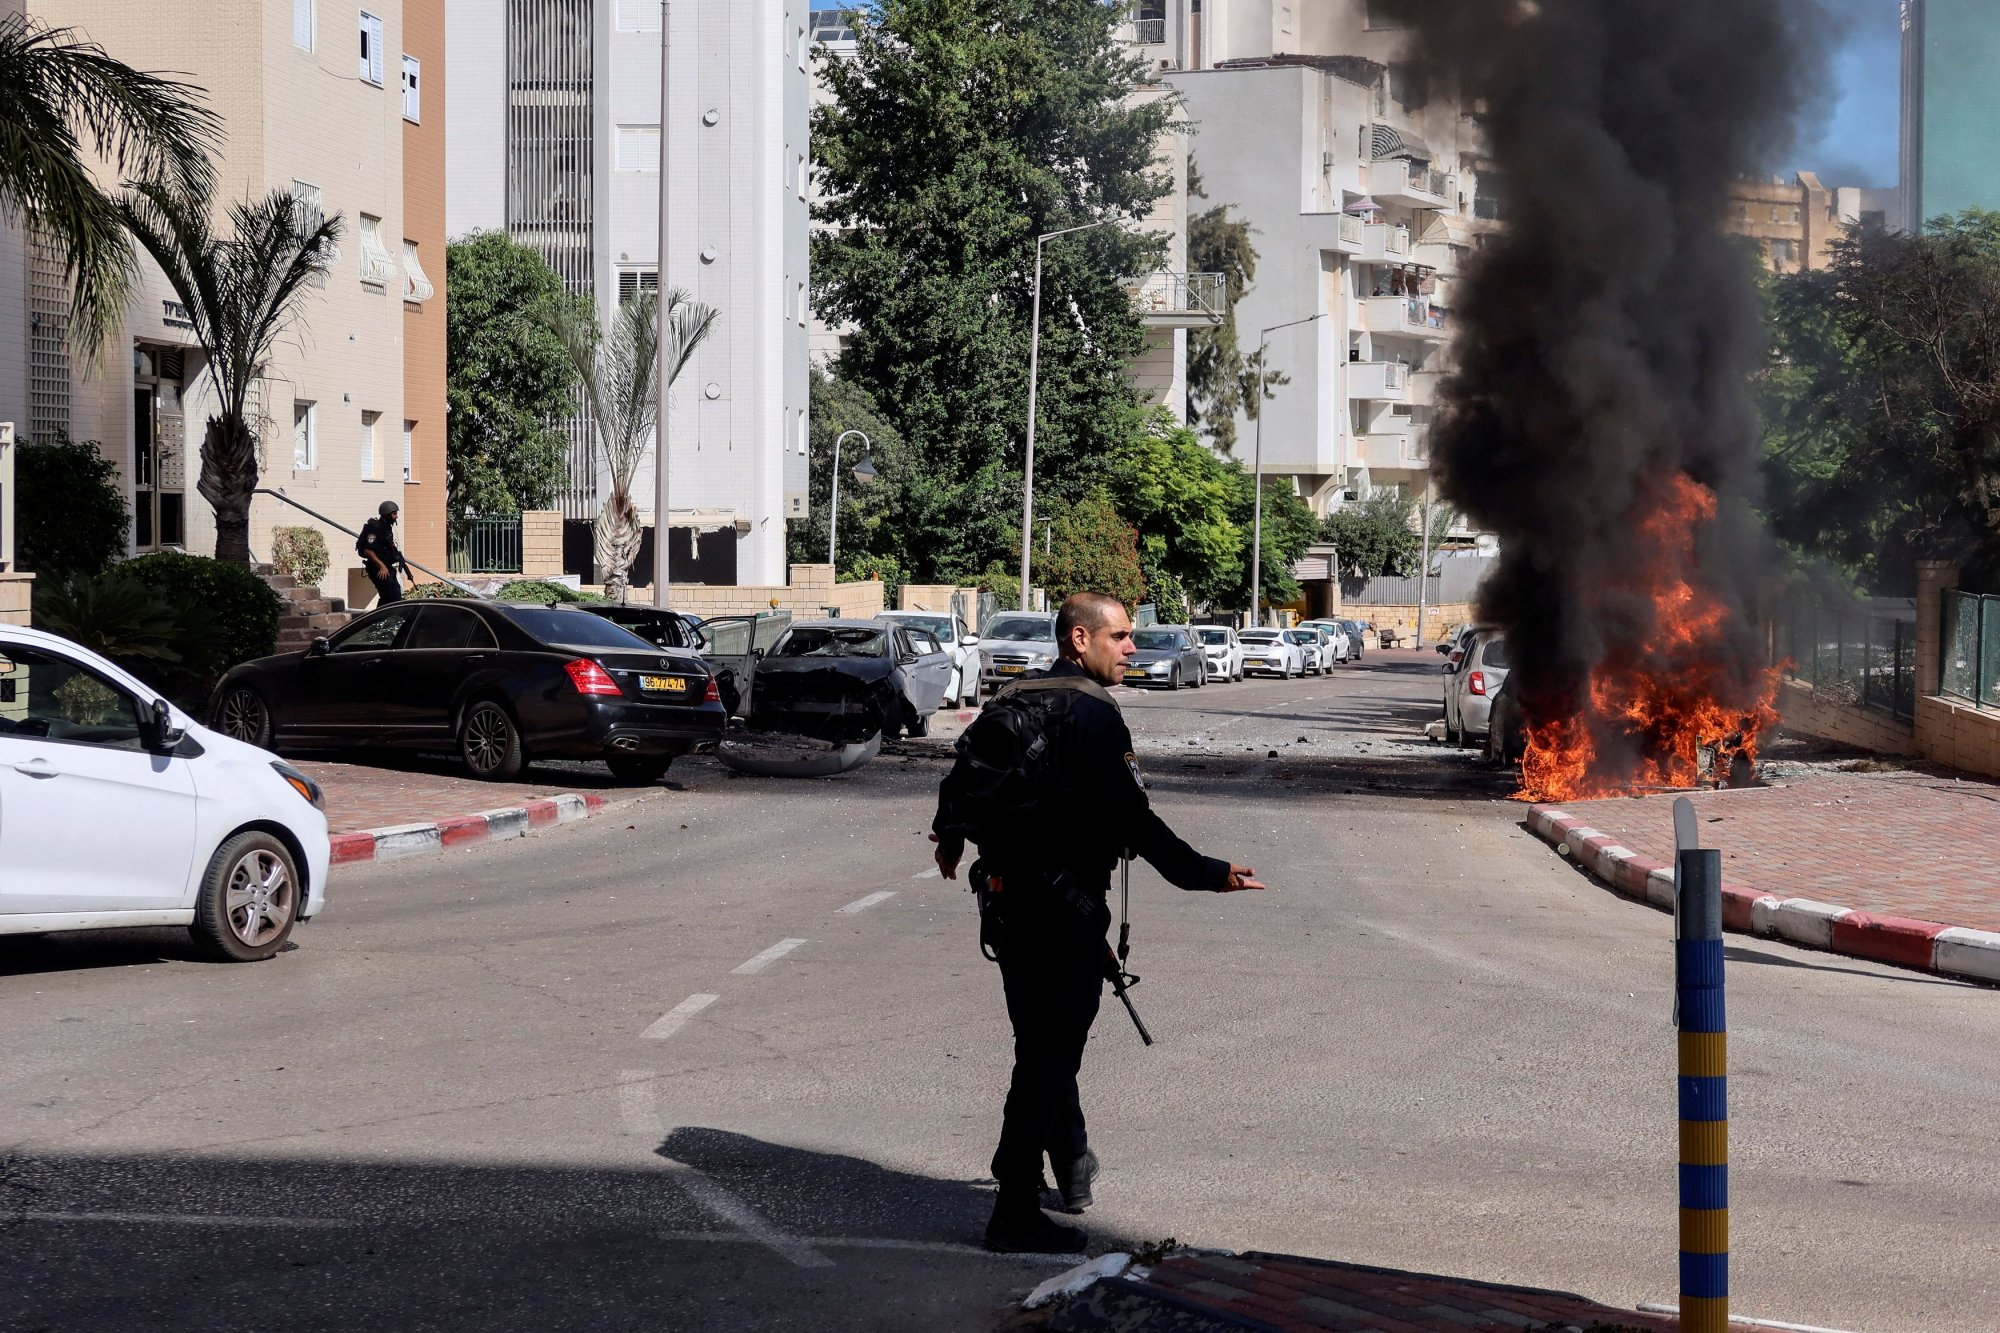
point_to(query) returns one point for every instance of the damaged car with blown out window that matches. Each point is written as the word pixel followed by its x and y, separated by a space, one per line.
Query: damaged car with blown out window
pixel 828 693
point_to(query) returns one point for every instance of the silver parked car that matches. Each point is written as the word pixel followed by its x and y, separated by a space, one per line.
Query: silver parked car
pixel 1470 682
pixel 963 645
pixel 1014 643
pixel 1169 657
pixel 1224 649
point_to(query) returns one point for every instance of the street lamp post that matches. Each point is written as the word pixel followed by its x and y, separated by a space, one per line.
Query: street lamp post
pixel 663 371
pixel 1257 512
pixel 1034 373
pixel 863 471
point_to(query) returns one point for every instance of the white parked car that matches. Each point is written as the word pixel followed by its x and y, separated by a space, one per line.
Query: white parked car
pixel 963 645
pixel 1471 679
pixel 118 810
pixel 1316 650
pixel 1268 652
pixel 1224 649
pixel 1335 632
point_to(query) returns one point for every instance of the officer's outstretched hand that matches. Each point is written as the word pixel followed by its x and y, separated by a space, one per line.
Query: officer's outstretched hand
pixel 948 866
pixel 1241 878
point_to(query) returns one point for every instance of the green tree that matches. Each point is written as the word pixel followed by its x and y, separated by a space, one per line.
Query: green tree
pixel 63 101
pixel 1183 498
pixel 509 381
pixel 868 510
pixel 242 294
pixel 1222 378
pixel 958 132
pixel 1289 528
pixel 1093 549
pixel 1373 539
pixel 618 377
pixel 70 512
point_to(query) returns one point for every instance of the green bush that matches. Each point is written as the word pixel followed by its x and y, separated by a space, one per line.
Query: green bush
pixel 430 592
pixel 69 509
pixel 300 552
pixel 113 614
pixel 227 615
pixel 542 590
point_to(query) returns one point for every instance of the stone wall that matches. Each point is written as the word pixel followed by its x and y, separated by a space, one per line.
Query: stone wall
pixel 811 592
pixel 1806 712
pixel 16 591
pixel 541 544
pixel 1403 619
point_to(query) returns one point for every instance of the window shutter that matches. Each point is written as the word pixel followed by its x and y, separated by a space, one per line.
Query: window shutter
pixel 302 24
pixel 638 148
pixel 371 48
pixel 413 102
pixel 638 15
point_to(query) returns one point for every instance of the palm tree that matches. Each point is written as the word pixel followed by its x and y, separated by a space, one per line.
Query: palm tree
pixel 619 376
pixel 63 100
pixel 240 293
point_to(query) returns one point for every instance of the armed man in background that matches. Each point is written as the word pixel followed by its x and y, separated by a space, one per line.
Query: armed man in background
pixel 379 554
pixel 1047 786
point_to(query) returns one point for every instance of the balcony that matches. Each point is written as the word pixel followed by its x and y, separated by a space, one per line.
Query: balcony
pixel 1410 184
pixel 1180 300
pixel 1406 317
pixel 1398 450
pixel 1353 234
pixel 1385 243
pixel 1379 381
pixel 1424 387
pixel 1149 32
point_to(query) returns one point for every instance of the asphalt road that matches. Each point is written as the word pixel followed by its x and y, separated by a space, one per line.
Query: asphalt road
pixel 728 1058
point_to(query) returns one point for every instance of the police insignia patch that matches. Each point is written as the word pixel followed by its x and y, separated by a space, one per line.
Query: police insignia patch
pixel 1132 762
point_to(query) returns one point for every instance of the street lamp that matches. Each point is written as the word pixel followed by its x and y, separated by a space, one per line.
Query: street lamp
pixel 663 370
pixel 1034 372
pixel 1257 518
pixel 863 471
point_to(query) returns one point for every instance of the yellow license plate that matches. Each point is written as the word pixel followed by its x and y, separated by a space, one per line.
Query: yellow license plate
pixel 1010 670
pixel 1135 675
pixel 663 684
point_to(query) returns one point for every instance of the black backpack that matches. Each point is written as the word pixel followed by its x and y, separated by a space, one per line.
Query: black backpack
pixel 1006 777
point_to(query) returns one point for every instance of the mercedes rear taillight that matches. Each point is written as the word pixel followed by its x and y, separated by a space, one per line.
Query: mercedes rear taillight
pixel 711 695
pixel 590 678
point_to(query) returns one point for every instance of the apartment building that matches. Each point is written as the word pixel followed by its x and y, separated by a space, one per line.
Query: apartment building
pixel 1362 181
pixel 313 99
pixel 1951 108
pixel 1794 221
pixel 556 137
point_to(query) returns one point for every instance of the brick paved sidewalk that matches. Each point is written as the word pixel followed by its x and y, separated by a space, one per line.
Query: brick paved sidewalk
pixel 1278 1291
pixel 423 791
pixel 1903 844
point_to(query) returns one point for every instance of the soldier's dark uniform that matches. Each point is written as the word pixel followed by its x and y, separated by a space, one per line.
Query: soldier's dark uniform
pixel 1052 944
pixel 378 538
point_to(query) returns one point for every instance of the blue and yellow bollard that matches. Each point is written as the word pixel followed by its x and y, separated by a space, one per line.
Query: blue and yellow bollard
pixel 1704 1095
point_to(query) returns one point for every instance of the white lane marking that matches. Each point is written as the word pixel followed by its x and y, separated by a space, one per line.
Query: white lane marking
pixel 932 873
pixel 863 904
pixel 670 1022
pixel 753 1225
pixel 766 958
pixel 635 1104
pixel 192 1219
pixel 872 1243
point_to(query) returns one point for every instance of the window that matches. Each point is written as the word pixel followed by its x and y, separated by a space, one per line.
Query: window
pixel 1742 212
pixel 804 174
pixel 632 281
pixel 314 210
pixel 305 453
pixel 638 147
pixel 805 304
pixel 638 15
pixel 1792 213
pixel 371 48
pixel 376 632
pixel 1390 14
pixel 1777 213
pixel 377 268
pixel 449 627
pixel 370 468
pixel 302 24
pixel 409 451
pixel 413 101
pixel 416 283
pixel 51 698
pixel 1782 253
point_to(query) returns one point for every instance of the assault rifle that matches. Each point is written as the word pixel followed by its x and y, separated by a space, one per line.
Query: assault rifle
pixel 1115 972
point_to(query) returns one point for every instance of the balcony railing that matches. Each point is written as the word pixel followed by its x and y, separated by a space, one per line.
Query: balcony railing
pixel 1180 300
pixel 1352 230
pixel 1400 181
pixel 1406 316
pixel 1149 32
pixel 1384 241
pixel 1380 381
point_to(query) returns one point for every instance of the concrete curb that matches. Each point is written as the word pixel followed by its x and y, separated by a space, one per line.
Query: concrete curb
pixel 398 840
pixel 1954 951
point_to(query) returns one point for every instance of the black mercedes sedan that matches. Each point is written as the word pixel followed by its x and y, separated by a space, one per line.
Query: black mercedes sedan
pixel 500 683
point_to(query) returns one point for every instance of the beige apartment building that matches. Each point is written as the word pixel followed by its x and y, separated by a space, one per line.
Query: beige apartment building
pixel 323 98
pixel 1794 221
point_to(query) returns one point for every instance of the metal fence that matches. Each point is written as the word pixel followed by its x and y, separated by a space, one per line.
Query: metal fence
pixel 1149 32
pixel 1853 656
pixel 1969 665
pixel 486 546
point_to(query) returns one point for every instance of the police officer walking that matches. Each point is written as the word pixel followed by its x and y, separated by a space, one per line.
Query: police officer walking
pixel 379 554
pixel 1052 815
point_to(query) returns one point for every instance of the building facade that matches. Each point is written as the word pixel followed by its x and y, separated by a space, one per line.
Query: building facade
pixel 1951 108
pixel 1794 222
pixel 1361 181
pixel 556 138
pixel 311 98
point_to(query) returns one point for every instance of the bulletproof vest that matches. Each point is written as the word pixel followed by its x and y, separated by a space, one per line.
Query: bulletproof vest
pixel 1008 778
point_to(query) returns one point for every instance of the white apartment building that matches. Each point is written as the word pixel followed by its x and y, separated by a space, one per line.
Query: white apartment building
pixel 313 99
pixel 1362 185
pixel 555 137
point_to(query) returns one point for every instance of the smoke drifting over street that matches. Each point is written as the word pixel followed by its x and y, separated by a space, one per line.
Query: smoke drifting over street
pixel 1605 337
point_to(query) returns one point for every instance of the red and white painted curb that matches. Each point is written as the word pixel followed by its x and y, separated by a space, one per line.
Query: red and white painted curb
pixel 517 821
pixel 1952 950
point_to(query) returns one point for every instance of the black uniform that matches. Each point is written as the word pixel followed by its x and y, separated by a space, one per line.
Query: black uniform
pixel 1056 877
pixel 378 538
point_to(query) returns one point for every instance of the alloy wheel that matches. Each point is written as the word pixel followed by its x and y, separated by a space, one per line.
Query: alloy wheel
pixel 243 717
pixel 488 737
pixel 260 898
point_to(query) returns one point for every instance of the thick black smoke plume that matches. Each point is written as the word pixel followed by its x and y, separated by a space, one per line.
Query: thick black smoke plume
pixel 1606 336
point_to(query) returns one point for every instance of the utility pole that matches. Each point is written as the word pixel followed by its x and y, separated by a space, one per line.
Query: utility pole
pixel 1424 570
pixel 663 370
pixel 1257 471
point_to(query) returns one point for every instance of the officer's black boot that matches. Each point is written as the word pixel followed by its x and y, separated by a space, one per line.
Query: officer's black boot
pixel 1073 1180
pixel 1019 1226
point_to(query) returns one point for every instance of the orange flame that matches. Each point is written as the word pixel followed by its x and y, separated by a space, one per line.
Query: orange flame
pixel 1666 709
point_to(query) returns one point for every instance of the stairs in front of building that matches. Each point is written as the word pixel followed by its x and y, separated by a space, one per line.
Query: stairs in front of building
pixel 306 614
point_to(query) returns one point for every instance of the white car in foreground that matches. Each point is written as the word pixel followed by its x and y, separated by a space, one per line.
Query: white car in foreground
pixel 1268 652
pixel 119 810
